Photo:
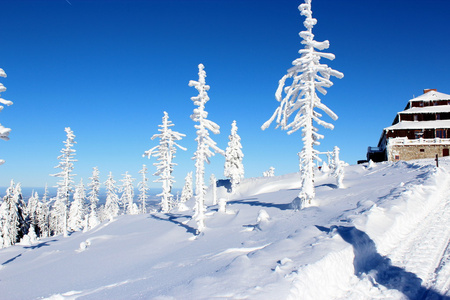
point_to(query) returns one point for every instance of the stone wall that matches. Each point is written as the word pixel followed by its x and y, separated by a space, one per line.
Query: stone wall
pixel 409 152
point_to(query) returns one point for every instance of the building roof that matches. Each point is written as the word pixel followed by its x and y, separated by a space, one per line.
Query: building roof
pixel 405 125
pixel 430 96
pixel 427 109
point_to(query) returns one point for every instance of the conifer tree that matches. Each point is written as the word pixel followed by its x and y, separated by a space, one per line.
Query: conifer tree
pixel 9 218
pixel 165 153
pixel 143 189
pixel 234 169
pixel 65 184
pixel 43 219
pixel 93 197
pixel 4 132
pixel 111 208
pixel 186 193
pixel 338 168
pixel 213 182
pixel 300 100
pixel 32 211
pixel 127 189
pixel 204 143
pixel 77 210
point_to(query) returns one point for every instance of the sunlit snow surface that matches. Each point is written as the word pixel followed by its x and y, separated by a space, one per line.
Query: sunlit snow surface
pixel 386 236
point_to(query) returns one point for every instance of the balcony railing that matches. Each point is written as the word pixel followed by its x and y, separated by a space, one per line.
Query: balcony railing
pixel 420 141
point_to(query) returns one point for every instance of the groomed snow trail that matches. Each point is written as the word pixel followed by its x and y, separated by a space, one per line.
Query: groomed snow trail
pixel 414 251
pixel 424 250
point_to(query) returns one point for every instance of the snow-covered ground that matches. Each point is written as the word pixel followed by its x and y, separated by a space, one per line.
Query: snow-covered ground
pixel 385 236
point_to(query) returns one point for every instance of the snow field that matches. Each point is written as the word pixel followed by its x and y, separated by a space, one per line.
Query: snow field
pixel 384 236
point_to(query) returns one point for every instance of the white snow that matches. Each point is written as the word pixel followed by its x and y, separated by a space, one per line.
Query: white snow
pixel 420 125
pixel 430 96
pixel 385 236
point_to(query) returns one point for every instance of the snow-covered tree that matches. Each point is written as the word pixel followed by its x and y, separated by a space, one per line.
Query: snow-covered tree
pixel 23 218
pixel 234 169
pixel 77 212
pixel 165 153
pixel 300 100
pixel 127 197
pixel 32 211
pixel 204 143
pixel 9 218
pixel 111 208
pixel 186 193
pixel 43 219
pixel 65 184
pixel 93 197
pixel 14 223
pixel 143 189
pixel 270 172
pixel 213 183
pixel 4 132
pixel 338 168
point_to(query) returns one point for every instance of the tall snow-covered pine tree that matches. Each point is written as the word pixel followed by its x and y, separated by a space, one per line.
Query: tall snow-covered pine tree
pixel 300 99
pixel 4 132
pixel 204 143
pixel 65 184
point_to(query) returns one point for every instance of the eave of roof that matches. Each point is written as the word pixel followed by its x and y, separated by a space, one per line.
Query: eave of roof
pixel 420 125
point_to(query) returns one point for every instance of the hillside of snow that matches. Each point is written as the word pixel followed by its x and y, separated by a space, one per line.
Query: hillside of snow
pixel 385 236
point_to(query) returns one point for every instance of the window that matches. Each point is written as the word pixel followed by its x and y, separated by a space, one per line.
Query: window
pixel 416 118
pixel 422 150
pixel 438 116
pixel 397 157
pixel 441 133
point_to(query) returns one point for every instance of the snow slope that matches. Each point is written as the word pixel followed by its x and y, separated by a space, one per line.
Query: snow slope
pixel 385 236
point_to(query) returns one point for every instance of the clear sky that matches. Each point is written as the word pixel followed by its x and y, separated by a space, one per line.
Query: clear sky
pixel 108 70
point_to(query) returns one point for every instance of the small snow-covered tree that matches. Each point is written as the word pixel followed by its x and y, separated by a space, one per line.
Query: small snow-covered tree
pixel 338 168
pixel 4 132
pixel 65 184
pixel 143 189
pixel 127 189
pixel 270 172
pixel 186 193
pixel 93 197
pixel 213 182
pixel 234 169
pixel 165 153
pixel 43 219
pixel 111 208
pixel 77 212
pixel 32 211
pixel 300 100
pixel 204 144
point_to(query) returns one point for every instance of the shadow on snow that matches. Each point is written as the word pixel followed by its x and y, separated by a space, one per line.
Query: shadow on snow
pixel 368 261
pixel 262 204
pixel 28 247
pixel 173 218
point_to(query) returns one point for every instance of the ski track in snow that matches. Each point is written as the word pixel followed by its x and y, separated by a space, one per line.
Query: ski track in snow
pixel 425 249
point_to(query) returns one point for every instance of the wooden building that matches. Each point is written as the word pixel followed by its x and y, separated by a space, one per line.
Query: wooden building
pixel 421 130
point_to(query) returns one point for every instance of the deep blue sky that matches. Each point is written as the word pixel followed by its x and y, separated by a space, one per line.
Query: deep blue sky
pixel 108 69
